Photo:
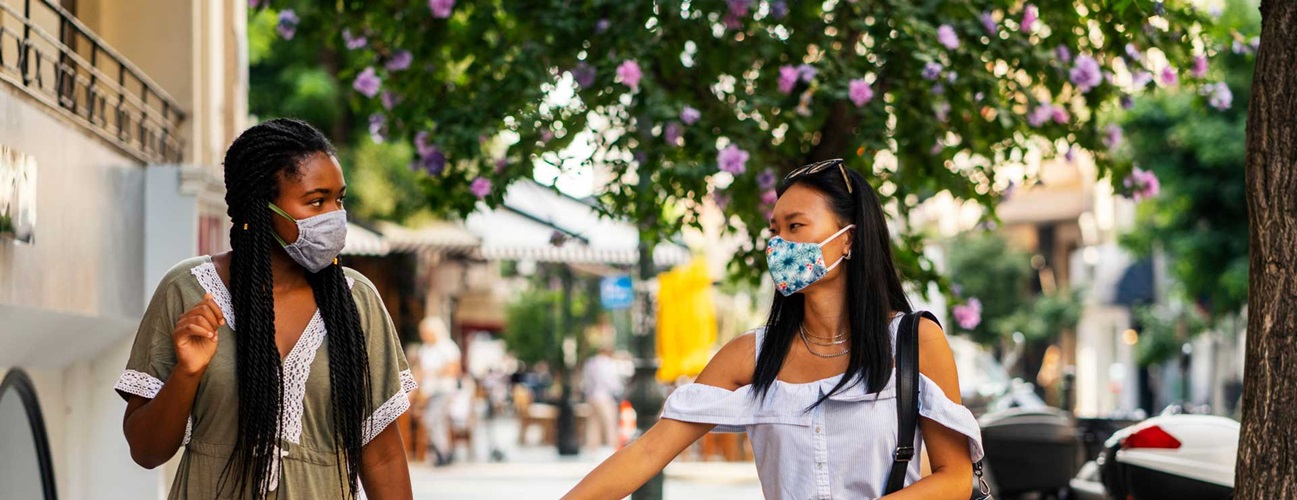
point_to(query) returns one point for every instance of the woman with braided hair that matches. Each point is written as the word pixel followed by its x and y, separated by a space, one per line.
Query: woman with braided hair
pixel 277 369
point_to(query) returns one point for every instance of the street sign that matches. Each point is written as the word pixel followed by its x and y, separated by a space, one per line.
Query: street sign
pixel 615 292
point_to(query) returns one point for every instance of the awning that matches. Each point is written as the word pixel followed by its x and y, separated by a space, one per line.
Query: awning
pixel 361 241
pixel 1136 285
pixel 439 236
pixel 536 223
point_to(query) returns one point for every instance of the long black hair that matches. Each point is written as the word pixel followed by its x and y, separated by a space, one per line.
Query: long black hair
pixel 254 164
pixel 873 289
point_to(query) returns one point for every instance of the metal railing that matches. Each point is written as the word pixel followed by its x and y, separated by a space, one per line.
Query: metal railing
pixel 81 77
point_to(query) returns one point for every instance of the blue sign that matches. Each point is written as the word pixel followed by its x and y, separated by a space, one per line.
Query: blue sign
pixel 615 292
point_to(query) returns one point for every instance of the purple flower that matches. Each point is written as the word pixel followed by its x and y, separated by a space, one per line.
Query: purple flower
pixel 860 92
pixel 988 23
pixel 766 180
pixel 287 25
pixel 1063 54
pixel 546 135
pixel 1113 137
pixel 951 76
pixel 1127 102
pixel 422 146
pixel 441 8
pixel 1238 47
pixel 377 127
pixel 979 96
pixel 947 37
pixel 1133 52
pixel 583 74
pixel 1140 79
pixel 1070 155
pixel 367 82
pixel 1086 74
pixel 1168 76
pixel 254 4
pixel 807 72
pixel 1219 95
pixel 769 197
pixel 353 42
pixel 732 160
pixel 500 164
pixel 672 133
pixel 1143 184
pixel 739 8
pixel 602 25
pixel 778 9
pixel 434 163
pixel 932 70
pixel 1029 15
pixel 1043 113
pixel 400 60
pixel 689 115
pixel 1254 43
pixel 938 89
pixel 788 76
pixel 1061 115
pixel 481 187
pixel 1199 67
pixel 942 111
pixel 629 74
pixel 968 315
pixel 389 99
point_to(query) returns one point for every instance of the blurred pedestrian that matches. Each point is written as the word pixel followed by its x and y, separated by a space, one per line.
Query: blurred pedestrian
pixel 603 385
pixel 439 360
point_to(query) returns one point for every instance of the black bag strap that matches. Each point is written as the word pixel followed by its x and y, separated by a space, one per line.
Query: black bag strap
pixel 907 395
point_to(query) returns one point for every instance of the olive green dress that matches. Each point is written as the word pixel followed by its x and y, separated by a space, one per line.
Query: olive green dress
pixel 308 468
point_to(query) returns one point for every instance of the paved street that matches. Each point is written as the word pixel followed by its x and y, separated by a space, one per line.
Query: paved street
pixel 537 472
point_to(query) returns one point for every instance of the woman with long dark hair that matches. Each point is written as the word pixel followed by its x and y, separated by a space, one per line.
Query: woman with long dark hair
pixel 815 388
pixel 277 369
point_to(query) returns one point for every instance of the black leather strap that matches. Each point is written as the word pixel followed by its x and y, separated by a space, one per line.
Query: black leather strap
pixel 907 396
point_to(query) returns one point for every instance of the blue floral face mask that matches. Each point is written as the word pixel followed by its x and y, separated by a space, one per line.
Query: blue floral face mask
pixel 795 266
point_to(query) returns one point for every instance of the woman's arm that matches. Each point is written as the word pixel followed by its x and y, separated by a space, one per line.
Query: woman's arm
pixel 952 468
pixel 384 473
pixel 632 466
pixel 155 428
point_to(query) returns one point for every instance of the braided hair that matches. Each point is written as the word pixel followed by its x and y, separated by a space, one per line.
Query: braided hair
pixel 254 165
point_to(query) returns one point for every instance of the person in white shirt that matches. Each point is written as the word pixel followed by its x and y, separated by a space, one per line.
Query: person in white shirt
pixel 815 389
pixel 439 362
pixel 603 386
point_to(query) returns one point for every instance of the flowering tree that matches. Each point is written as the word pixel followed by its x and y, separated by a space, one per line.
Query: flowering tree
pixel 685 104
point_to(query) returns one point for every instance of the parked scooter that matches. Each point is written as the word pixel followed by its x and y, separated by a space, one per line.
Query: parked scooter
pixel 1169 456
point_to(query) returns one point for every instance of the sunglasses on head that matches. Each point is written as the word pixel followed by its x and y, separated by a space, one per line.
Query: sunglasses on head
pixel 820 166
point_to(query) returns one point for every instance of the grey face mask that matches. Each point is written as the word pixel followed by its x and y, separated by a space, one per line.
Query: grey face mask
pixel 319 239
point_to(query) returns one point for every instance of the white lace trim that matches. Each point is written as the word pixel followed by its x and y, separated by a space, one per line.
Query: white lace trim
pixel 147 386
pixel 297 368
pixel 138 383
pixel 211 282
pixel 407 382
pixel 385 415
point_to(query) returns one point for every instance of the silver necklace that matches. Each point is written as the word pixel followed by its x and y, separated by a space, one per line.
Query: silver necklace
pixel 807 341
pixel 838 339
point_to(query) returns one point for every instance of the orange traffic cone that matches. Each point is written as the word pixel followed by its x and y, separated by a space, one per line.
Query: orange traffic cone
pixel 625 424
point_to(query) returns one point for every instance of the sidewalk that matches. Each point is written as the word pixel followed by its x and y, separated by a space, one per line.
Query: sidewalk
pixel 537 472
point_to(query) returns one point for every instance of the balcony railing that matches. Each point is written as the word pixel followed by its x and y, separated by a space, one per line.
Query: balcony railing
pixel 78 75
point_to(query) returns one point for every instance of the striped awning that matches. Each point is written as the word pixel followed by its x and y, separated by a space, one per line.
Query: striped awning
pixel 361 241
pixel 439 236
pixel 536 223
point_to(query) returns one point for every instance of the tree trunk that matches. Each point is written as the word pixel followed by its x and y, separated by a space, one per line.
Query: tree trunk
pixel 1267 454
